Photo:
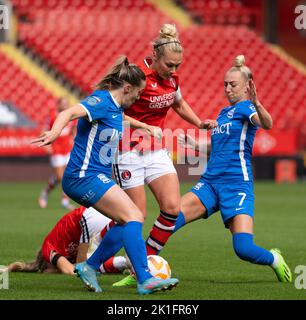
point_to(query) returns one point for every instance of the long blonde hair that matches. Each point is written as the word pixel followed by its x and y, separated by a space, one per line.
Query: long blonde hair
pixel 36 265
pixel 122 71
pixel 168 39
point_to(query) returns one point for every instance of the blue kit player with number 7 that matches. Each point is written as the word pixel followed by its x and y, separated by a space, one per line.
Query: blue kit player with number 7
pixel 227 183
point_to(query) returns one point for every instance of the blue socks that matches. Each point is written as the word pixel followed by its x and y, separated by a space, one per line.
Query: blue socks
pixel 136 250
pixel 243 245
pixel 129 236
pixel 180 222
pixel 246 250
pixel 108 247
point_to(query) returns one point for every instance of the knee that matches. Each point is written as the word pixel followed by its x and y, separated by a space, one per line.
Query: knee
pixel 172 208
pixel 131 216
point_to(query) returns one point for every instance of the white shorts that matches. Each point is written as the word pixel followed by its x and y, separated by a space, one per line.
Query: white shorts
pixel 92 223
pixel 134 169
pixel 59 160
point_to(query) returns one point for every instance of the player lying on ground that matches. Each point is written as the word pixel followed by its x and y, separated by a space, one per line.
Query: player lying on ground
pixel 227 183
pixel 69 243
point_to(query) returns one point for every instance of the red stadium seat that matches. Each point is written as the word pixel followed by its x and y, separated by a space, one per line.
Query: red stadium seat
pixel 83 41
pixel 22 91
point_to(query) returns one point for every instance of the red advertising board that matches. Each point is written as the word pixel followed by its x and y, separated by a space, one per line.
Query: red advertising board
pixel 17 142
pixel 275 143
pixel 267 143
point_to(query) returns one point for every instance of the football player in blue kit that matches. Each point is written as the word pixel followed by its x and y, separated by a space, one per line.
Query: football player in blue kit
pixel 87 178
pixel 227 183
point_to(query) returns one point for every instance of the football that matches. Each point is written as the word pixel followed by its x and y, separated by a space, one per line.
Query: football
pixel 159 267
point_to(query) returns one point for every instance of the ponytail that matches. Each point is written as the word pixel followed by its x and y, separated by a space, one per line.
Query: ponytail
pixel 122 71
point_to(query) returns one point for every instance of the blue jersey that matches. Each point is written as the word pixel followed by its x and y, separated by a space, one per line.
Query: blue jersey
pixel 97 136
pixel 231 145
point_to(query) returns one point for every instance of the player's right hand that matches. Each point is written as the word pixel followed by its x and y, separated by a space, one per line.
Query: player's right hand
pixel 208 124
pixel 45 138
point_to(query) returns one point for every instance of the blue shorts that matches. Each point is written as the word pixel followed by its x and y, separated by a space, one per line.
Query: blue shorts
pixel 231 199
pixel 88 190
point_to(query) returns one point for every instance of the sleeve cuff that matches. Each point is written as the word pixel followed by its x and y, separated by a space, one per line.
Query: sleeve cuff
pixel 250 118
pixel 178 95
pixel 88 113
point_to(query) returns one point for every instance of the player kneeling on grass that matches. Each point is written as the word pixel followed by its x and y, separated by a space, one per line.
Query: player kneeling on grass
pixel 70 242
pixel 227 183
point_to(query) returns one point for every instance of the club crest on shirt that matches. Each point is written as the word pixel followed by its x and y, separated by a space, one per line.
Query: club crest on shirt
pixel 72 248
pixel 230 114
pixel 154 85
pixel 93 100
pixel 252 108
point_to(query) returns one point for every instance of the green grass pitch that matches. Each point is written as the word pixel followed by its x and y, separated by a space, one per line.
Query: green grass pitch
pixel 200 254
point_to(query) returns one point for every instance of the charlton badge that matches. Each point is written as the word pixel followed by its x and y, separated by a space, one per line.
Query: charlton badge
pixel 126 175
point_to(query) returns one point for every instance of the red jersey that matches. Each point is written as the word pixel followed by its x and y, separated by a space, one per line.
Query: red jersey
pixel 63 144
pixel 154 103
pixel 64 238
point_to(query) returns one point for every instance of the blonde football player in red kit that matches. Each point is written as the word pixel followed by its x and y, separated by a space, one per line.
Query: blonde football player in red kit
pixel 59 156
pixel 142 163
pixel 70 242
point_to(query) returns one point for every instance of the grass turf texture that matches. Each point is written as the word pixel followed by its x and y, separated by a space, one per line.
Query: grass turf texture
pixel 200 254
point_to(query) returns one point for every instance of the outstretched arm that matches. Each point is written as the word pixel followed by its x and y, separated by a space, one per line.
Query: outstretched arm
pixel 61 121
pixel 183 109
pixel 151 130
pixel 64 266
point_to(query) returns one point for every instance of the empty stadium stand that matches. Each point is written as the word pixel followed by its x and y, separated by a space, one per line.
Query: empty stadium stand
pixel 223 12
pixel 23 91
pixel 80 39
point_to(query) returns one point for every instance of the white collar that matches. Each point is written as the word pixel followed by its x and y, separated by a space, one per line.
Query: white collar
pixel 115 102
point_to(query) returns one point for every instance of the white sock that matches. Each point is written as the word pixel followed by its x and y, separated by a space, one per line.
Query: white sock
pixel 120 263
pixel 275 261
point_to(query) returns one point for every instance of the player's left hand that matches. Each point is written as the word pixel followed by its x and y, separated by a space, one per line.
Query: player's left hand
pixel 208 124
pixel 253 93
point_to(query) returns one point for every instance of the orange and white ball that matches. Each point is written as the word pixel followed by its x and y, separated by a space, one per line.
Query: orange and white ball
pixel 159 267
